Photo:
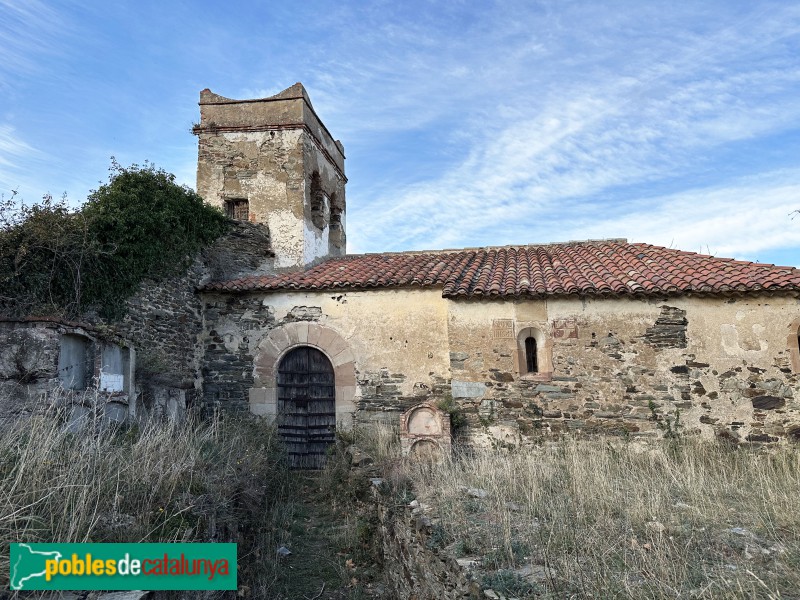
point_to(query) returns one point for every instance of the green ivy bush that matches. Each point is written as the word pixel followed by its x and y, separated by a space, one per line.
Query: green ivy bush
pixel 141 224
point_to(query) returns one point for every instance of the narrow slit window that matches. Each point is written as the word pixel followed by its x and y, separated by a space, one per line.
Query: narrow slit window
pixel 530 355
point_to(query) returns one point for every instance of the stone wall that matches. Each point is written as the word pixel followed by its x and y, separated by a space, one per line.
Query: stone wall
pixel 274 157
pixel 626 367
pixel 28 367
pixel 415 564
pixel 693 366
pixel 397 340
pixel 164 319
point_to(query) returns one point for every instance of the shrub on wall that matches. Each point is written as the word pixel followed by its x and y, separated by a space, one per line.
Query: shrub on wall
pixel 141 224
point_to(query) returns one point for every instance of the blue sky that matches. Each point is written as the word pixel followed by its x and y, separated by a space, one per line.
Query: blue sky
pixel 464 123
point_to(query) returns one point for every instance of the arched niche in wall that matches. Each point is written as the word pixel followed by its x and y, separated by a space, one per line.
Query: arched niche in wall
pixel 534 354
pixel 281 340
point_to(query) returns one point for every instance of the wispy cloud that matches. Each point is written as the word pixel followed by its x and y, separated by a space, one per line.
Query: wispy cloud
pixel 612 105
pixel 13 151
pixel 464 123
pixel 743 219
pixel 29 30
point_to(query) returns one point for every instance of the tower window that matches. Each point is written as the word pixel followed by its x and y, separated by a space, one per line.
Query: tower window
pixel 530 355
pixel 320 203
pixel 238 210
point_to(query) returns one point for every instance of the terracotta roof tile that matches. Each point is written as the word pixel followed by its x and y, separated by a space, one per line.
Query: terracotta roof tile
pixel 612 267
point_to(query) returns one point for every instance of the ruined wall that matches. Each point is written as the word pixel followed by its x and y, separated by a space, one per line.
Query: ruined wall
pixel 47 362
pixel 164 320
pixel 415 564
pixel 398 341
pixel 28 367
pixel 611 365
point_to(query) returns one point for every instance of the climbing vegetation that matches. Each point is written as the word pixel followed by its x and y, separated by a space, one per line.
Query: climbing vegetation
pixel 59 261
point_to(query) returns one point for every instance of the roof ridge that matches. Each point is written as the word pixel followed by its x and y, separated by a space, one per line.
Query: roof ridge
pixel 589 242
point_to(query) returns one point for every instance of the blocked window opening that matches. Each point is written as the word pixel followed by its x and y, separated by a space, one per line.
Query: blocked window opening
pixel 531 360
pixel 336 236
pixel 113 363
pixel 238 209
pixel 336 216
pixel 72 362
pixel 793 344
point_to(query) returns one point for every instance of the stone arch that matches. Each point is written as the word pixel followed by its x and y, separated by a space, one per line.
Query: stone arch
pixel 544 353
pixel 278 342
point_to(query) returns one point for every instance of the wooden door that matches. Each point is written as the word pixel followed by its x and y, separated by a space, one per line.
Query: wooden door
pixel 306 406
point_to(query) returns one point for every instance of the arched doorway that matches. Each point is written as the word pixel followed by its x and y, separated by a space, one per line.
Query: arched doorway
pixel 306 406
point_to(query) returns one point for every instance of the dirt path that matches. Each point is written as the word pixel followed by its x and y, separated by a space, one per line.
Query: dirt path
pixel 328 559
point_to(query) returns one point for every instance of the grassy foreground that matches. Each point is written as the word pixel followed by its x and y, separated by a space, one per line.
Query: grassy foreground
pixel 592 519
pixel 223 480
pixel 219 480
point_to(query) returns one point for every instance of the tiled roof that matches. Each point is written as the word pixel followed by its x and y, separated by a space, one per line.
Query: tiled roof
pixel 612 267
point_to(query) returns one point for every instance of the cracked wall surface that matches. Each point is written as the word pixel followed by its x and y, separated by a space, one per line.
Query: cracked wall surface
pixel 275 154
pixel 395 338
pixel 612 366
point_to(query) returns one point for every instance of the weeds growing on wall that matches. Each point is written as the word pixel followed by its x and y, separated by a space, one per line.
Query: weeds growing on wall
pixel 55 260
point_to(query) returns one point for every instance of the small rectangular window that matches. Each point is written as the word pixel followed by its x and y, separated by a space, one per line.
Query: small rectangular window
pixel 238 210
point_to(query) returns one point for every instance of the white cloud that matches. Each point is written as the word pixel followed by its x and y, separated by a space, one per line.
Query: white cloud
pixel 13 150
pixel 29 29
pixel 622 111
pixel 741 219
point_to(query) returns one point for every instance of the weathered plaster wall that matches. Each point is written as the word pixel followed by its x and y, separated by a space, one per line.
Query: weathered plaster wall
pixel 277 155
pixel 398 341
pixel 724 364
pixel 618 366
pixel 265 168
pixel 28 367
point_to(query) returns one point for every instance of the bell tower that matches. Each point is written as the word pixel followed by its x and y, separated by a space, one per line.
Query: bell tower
pixel 272 161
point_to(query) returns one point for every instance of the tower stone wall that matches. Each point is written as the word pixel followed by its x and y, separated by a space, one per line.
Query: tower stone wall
pixel 272 161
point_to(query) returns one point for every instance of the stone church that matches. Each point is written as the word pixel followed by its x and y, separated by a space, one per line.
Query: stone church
pixel 517 342
pixel 598 336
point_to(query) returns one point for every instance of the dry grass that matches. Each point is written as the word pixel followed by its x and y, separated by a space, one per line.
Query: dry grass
pixel 380 440
pixel 593 519
pixel 220 480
